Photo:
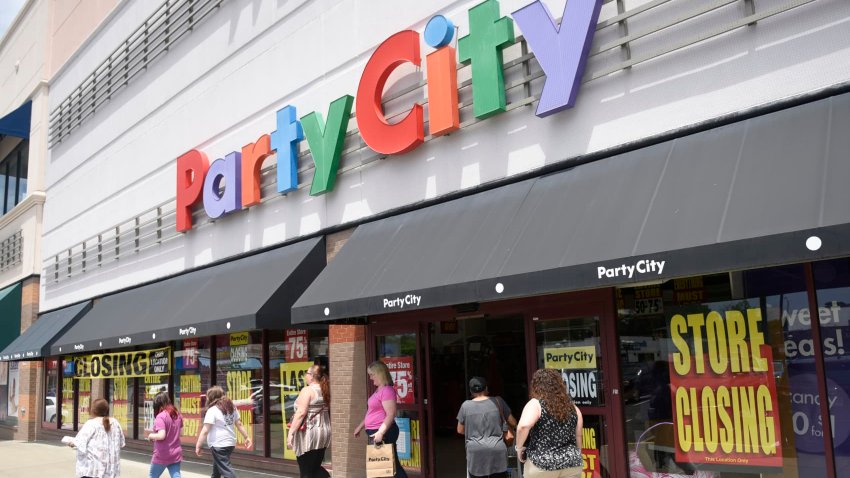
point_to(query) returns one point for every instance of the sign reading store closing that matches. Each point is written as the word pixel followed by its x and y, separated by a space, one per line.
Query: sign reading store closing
pixel 725 411
pixel 139 363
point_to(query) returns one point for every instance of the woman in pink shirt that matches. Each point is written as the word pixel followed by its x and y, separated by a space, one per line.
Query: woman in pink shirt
pixel 380 413
pixel 167 452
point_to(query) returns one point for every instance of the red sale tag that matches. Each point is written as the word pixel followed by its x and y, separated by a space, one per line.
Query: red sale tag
pixel 296 345
pixel 401 370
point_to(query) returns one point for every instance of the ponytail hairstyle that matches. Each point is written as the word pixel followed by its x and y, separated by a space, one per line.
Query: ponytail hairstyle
pixel 163 402
pixel 100 408
pixel 217 398
pixel 320 375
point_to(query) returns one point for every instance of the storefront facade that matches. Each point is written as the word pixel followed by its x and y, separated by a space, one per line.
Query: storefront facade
pixel 655 204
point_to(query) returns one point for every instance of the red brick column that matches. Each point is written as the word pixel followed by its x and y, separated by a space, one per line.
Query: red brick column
pixel 31 387
pixel 348 399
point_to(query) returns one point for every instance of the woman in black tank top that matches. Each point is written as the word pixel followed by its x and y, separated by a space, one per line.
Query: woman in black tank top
pixel 548 437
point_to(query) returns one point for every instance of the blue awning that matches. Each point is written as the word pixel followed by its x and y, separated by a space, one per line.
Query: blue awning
pixel 17 123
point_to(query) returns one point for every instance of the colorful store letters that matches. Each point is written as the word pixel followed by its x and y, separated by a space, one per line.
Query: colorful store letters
pixel 232 183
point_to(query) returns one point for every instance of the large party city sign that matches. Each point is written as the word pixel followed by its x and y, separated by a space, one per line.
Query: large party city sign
pixel 561 51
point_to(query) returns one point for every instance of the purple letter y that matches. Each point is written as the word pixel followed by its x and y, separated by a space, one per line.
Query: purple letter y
pixel 561 52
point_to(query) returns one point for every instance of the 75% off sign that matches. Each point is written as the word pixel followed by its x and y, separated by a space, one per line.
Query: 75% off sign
pixel 401 370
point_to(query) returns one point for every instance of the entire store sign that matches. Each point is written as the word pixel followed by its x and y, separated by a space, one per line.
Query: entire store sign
pixel 723 391
pixel 561 51
pixel 139 363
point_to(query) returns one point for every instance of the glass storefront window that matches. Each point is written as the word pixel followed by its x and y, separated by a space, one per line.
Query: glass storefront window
pixel 121 394
pixel 832 287
pixel 572 346
pixel 68 390
pixel 148 388
pixel 83 400
pixel 291 352
pixel 51 388
pixel 4 392
pixel 191 380
pixel 398 351
pixel 239 370
pixel 710 378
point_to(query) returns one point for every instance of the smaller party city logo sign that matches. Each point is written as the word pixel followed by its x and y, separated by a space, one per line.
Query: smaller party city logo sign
pixel 561 51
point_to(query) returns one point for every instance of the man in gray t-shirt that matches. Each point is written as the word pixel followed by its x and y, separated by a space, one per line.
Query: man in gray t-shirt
pixel 480 422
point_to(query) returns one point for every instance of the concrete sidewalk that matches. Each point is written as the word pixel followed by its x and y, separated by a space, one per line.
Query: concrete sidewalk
pixel 42 459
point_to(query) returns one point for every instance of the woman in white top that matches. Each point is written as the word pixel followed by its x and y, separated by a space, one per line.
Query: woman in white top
pixel 220 418
pixel 99 444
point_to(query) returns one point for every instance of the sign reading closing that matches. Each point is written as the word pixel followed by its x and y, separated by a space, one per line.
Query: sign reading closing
pixel 723 390
pixel 139 363
pixel 579 369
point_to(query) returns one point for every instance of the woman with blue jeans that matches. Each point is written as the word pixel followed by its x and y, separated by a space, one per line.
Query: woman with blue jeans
pixel 167 452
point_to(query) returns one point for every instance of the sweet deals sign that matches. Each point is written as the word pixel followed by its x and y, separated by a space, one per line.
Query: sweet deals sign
pixel 561 51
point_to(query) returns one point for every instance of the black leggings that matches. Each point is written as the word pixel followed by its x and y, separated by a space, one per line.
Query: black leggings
pixel 310 464
pixel 390 437
pixel 503 474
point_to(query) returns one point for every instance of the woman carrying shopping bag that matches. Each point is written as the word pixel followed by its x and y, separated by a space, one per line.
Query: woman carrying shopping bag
pixel 379 422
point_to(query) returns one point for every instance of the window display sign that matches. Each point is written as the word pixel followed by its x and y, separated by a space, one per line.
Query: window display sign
pixel 579 369
pixel 723 390
pixel 401 370
pixel 296 345
pixel 121 402
pixel 414 451
pixel 292 381
pixel 591 467
pixel 14 382
pixel 190 406
pixel 84 401
pixel 240 391
pixel 140 363
pixel 190 354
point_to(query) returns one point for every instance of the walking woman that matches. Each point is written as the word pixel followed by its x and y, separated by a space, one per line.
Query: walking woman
pixel 219 419
pixel 482 421
pixel 312 409
pixel 167 427
pixel 99 444
pixel 548 438
pixel 380 412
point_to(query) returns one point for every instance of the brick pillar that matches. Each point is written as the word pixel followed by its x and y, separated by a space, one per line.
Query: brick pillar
pixel 31 386
pixel 348 399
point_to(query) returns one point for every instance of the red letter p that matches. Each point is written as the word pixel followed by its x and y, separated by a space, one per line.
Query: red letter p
pixel 191 169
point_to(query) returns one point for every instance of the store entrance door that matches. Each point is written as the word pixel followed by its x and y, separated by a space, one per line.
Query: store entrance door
pixel 579 340
pixel 492 348
pixel 403 347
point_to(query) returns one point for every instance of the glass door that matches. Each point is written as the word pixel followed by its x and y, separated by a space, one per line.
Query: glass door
pixel 575 340
pixel 400 348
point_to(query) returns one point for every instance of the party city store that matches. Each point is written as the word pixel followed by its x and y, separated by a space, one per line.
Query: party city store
pixel 673 241
pixel 693 346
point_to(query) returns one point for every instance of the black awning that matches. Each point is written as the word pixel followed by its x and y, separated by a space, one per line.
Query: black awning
pixel 250 293
pixel 35 342
pixel 739 196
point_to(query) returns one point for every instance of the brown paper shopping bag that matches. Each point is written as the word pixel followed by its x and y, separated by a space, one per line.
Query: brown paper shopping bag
pixel 380 461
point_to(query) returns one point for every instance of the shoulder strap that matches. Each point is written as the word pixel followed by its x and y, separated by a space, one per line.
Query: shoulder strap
pixel 499 408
